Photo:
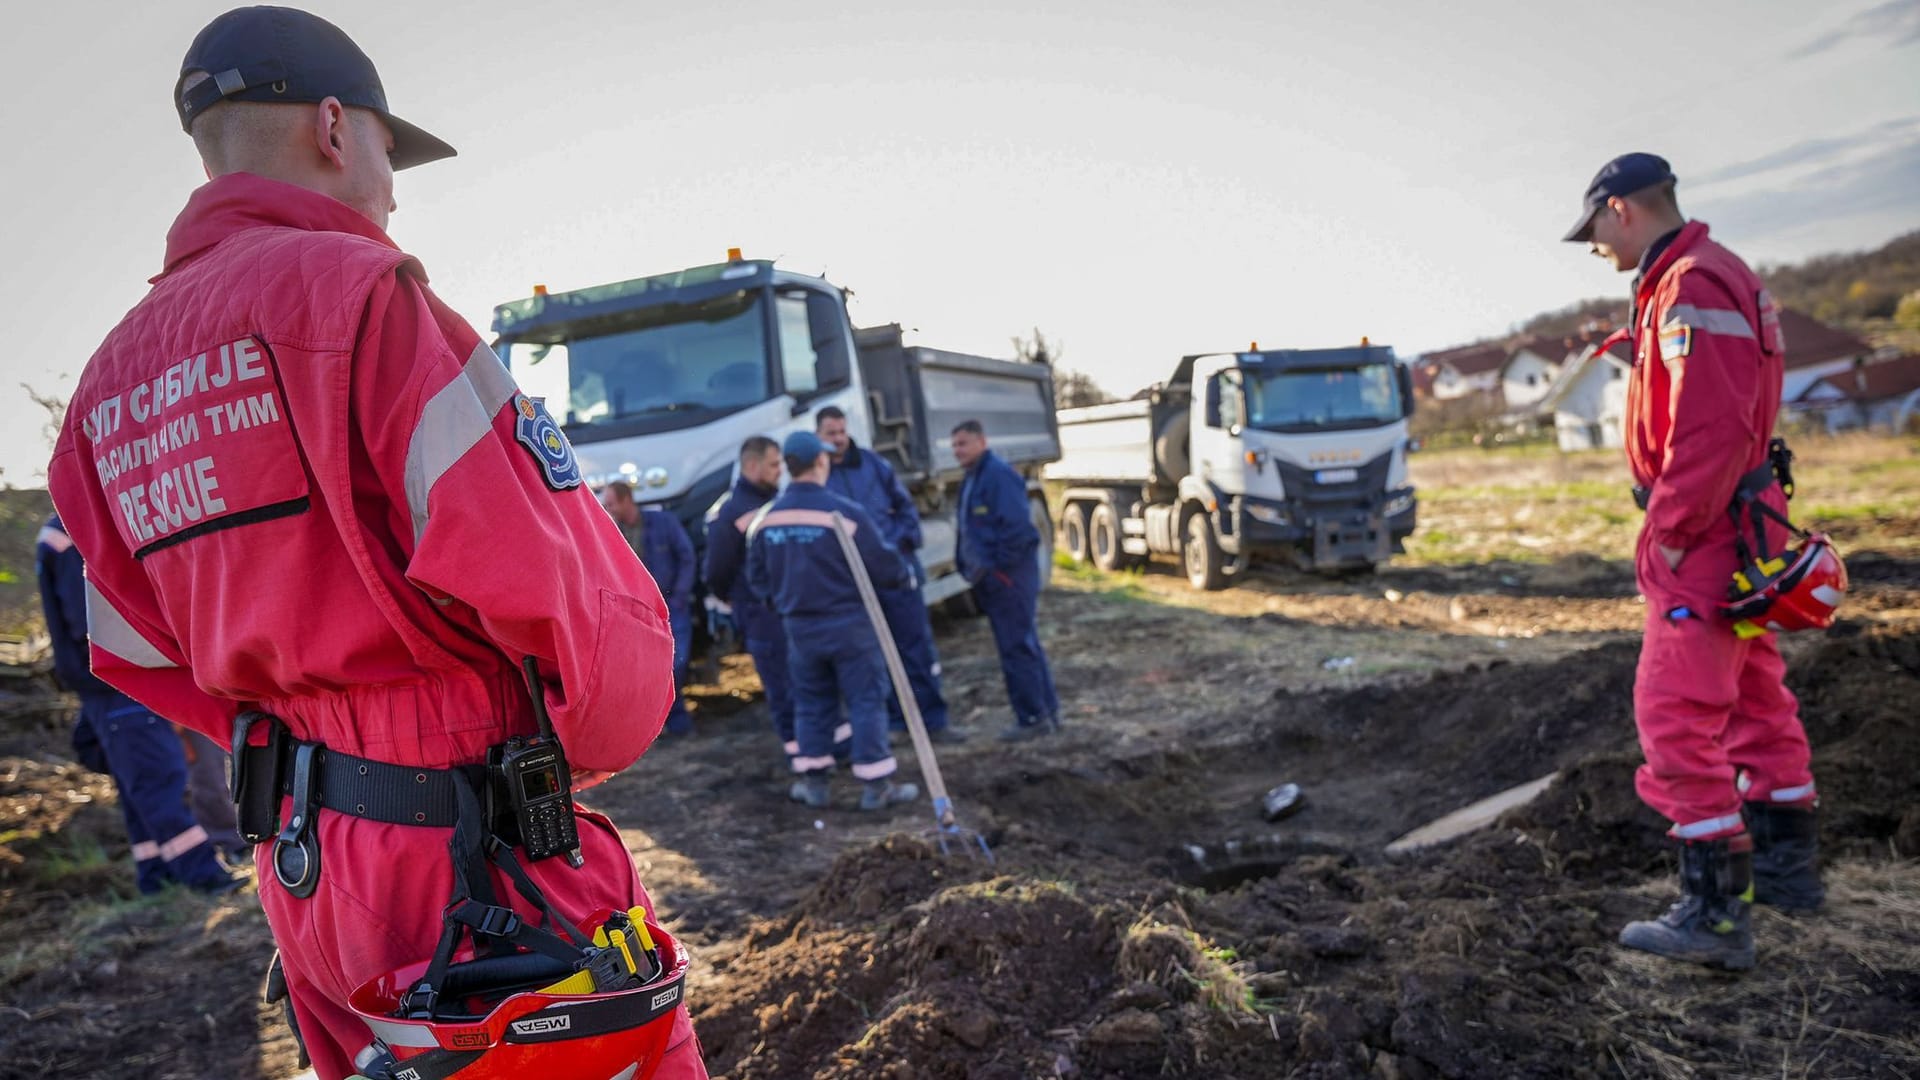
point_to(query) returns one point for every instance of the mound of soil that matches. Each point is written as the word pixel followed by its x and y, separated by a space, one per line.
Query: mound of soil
pixel 1090 953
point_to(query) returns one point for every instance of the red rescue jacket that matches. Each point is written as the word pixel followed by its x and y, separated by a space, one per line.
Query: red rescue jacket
pixel 1705 388
pixel 302 484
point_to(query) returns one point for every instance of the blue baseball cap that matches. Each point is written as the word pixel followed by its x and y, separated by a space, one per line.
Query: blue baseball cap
pixel 279 54
pixel 1618 178
pixel 803 444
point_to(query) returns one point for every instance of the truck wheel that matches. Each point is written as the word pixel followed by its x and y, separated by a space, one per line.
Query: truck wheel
pixel 1206 563
pixel 1043 524
pixel 1103 539
pixel 1073 531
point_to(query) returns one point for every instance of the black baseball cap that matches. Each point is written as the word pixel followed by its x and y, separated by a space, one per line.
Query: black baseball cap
pixel 1619 178
pixel 279 54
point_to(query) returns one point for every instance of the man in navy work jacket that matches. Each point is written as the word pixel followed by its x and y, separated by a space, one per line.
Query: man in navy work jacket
pixel 795 561
pixel 868 479
pixel 143 753
pixel 760 625
pixel 661 542
pixel 998 545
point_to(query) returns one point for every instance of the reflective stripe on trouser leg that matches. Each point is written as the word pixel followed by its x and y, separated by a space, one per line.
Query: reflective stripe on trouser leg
pixel 150 768
pixel 1764 738
pixel 816 700
pixel 1708 828
pixel 860 668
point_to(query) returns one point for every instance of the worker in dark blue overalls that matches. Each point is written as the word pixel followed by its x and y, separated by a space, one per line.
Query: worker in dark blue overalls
pixel 758 624
pixel 997 549
pixel 664 549
pixel 869 480
pixel 797 563
pixel 141 751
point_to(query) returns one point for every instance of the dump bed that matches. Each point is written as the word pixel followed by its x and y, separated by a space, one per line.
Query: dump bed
pixel 918 394
pixel 1106 444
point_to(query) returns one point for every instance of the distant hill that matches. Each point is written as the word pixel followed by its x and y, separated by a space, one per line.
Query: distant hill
pixel 1855 291
pixel 22 512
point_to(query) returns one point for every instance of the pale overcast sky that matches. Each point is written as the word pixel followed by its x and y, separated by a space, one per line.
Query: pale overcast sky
pixel 1137 179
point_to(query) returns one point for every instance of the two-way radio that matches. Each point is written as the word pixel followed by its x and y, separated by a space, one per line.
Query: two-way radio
pixel 532 778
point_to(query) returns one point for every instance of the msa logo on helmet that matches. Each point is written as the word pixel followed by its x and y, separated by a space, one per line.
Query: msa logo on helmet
pixel 666 997
pixel 542 1025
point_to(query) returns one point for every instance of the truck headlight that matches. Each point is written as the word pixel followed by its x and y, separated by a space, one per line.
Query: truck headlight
pixel 1272 515
pixel 1397 505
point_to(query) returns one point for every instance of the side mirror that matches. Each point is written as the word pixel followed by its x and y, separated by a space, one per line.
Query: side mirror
pixel 1405 374
pixel 1213 402
pixel 1414 446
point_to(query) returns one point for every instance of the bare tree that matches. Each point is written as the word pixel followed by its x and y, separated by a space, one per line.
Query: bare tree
pixel 1037 351
pixel 56 407
pixel 1072 389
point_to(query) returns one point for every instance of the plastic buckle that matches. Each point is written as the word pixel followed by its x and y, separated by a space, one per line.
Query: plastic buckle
pixel 419 1002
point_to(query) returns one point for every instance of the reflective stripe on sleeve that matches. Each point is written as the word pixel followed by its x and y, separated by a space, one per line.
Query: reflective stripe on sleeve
pixel 454 420
pixel 54 539
pixel 110 631
pixel 1709 320
pixel 1695 830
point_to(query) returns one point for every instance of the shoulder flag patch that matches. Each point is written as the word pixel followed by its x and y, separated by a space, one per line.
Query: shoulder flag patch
pixel 535 429
pixel 1676 341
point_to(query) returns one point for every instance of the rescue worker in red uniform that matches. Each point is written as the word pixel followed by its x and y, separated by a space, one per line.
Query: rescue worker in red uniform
pixel 1726 756
pixel 304 486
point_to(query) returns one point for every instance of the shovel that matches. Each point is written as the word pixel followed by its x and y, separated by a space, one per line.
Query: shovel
pixel 946 829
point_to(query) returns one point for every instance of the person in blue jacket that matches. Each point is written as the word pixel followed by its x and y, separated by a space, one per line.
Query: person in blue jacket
pixel 759 625
pixel 867 478
pixel 797 564
pixel 142 752
pixel 997 549
pixel 664 549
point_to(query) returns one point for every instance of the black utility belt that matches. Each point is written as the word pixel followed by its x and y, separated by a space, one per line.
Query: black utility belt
pixel 1751 485
pixel 316 778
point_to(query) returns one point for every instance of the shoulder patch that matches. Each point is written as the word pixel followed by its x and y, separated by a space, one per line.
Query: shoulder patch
pixel 535 429
pixel 1676 341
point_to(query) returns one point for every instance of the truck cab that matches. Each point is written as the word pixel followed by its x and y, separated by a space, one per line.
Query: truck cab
pixel 1296 453
pixel 658 380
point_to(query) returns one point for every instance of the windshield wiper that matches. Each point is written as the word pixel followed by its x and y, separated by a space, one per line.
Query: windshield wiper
pixel 671 406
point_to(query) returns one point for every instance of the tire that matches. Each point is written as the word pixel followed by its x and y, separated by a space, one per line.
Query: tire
pixel 1103 539
pixel 1073 532
pixel 1042 524
pixel 1206 564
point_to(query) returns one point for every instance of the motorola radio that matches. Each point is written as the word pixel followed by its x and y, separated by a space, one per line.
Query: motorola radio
pixel 532 779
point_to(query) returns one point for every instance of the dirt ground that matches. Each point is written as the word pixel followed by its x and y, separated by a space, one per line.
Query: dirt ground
pixel 1139 917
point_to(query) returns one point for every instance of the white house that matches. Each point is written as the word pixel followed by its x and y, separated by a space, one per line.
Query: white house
pixel 1589 399
pixel 1530 371
pixel 1469 369
pixel 1883 395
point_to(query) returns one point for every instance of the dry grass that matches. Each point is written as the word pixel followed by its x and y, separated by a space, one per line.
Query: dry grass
pixel 1823 981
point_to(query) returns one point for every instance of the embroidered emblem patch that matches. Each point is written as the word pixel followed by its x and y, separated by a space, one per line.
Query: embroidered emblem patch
pixel 543 438
pixel 1675 342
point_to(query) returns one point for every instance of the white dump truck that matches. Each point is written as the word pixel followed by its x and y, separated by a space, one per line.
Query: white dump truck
pixel 657 381
pixel 1292 453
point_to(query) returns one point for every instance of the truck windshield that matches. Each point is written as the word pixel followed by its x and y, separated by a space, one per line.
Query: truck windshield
pixel 656 370
pixel 1303 399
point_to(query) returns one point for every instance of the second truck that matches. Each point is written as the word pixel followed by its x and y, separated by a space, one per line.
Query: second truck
pixel 1298 454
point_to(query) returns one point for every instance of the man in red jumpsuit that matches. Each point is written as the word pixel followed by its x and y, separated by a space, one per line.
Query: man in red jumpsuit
pixel 304 486
pixel 1726 756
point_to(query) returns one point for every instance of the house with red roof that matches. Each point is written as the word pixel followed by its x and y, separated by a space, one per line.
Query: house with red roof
pixel 1589 398
pixel 1468 369
pixel 1815 351
pixel 1883 394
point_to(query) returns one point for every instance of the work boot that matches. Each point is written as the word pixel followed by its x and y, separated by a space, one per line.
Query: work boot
pixel 1713 922
pixel 811 789
pixel 946 736
pixel 1022 732
pixel 1786 856
pixel 880 794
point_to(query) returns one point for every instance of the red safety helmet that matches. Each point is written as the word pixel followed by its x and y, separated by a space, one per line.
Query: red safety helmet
pixel 504 1033
pixel 1803 595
